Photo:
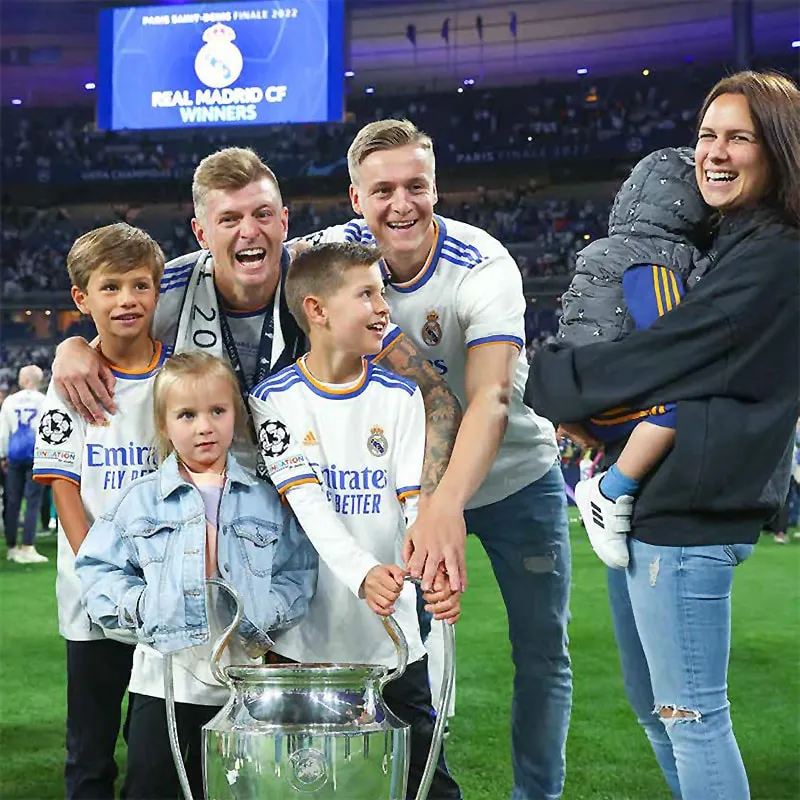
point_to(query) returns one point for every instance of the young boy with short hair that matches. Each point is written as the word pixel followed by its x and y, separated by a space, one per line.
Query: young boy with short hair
pixel 337 421
pixel 115 271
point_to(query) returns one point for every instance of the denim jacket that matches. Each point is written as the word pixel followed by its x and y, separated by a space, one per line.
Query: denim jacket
pixel 142 564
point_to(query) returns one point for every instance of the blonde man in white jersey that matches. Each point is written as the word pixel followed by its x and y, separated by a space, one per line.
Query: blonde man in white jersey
pixel 457 293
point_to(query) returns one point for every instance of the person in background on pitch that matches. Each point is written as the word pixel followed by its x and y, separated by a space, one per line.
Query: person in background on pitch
pixel 19 419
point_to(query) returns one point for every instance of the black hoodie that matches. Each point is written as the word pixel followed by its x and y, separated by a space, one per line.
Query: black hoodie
pixel 729 354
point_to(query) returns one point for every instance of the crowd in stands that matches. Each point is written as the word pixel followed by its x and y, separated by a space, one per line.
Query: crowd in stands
pixel 35 242
pixel 632 109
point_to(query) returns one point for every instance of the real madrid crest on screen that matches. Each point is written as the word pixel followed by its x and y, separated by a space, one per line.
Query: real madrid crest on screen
pixel 376 441
pixel 432 330
pixel 219 62
pixel 273 438
pixel 55 427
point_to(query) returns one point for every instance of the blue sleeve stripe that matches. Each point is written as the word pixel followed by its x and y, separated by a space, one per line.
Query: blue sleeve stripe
pixel 179 285
pixel 499 338
pixel 305 477
pixel 456 244
pixel 262 391
pixel 171 272
pixel 389 384
pixel 388 375
pixel 48 472
pixel 457 261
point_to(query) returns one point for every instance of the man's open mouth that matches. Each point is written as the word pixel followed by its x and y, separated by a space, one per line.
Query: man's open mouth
pixel 253 255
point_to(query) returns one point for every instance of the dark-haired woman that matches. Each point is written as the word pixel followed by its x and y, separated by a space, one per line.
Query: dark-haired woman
pixel 729 355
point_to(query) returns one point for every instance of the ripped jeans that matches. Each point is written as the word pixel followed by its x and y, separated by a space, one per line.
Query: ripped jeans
pixel 526 537
pixel 672 619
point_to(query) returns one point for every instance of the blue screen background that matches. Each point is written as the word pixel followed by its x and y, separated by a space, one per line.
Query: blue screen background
pixel 303 53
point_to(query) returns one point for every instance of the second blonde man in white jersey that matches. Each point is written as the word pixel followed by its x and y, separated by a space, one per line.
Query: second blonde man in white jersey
pixel 457 293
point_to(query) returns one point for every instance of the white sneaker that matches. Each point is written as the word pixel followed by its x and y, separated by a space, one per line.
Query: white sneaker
pixel 12 553
pixel 29 555
pixel 607 522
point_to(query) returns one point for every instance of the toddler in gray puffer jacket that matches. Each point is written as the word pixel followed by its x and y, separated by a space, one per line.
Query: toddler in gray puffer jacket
pixel 658 224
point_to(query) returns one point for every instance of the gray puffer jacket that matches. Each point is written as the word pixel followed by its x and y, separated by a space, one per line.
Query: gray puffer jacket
pixel 658 217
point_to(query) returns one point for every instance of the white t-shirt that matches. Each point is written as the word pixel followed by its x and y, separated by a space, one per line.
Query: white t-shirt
pixel 364 443
pixel 469 294
pixel 192 679
pixel 99 460
pixel 19 410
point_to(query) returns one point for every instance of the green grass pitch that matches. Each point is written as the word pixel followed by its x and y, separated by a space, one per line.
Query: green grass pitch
pixel 607 755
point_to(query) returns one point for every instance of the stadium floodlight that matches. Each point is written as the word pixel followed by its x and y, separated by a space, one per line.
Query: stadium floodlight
pixel 16 102
pixel 370 90
pixel 349 74
pixel 89 86
pixel 582 71
pixel 796 43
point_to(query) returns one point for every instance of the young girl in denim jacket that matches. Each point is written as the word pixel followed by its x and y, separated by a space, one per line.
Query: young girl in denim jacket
pixel 144 564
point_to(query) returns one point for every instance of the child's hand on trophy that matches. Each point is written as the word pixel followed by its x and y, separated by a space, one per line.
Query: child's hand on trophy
pixel 441 600
pixel 382 587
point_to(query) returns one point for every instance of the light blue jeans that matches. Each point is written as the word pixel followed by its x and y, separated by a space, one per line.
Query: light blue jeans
pixel 672 619
pixel 526 537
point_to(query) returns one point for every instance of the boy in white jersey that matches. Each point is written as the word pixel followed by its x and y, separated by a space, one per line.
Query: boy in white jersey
pixel 115 273
pixel 456 292
pixel 337 420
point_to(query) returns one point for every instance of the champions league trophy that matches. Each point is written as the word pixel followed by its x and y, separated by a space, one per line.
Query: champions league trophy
pixel 308 731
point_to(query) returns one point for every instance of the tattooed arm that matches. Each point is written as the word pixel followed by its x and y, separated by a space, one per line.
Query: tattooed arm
pixel 442 410
pixel 436 537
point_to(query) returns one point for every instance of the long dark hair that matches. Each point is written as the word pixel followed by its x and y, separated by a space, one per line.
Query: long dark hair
pixel 774 102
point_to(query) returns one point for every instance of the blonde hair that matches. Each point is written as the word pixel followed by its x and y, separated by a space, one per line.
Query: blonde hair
pixel 118 248
pixel 319 272
pixel 385 134
pixel 228 169
pixel 195 365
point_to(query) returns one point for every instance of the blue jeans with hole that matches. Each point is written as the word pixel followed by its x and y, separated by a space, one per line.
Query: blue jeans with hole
pixel 672 619
pixel 526 537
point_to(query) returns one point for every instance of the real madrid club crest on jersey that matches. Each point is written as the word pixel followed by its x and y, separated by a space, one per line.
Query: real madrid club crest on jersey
pixel 219 62
pixel 432 330
pixel 376 442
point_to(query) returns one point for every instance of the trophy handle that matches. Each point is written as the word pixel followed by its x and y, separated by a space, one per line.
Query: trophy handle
pixel 225 637
pixel 448 682
pixel 401 645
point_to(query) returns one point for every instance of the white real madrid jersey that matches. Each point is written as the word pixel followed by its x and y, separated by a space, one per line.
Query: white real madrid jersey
pixel 467 295
pixel 363 443
pixel 101 460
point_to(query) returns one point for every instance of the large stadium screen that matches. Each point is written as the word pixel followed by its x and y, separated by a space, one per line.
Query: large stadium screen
pixel 249 63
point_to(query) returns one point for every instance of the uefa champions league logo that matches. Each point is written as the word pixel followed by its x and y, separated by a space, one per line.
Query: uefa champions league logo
pixel 219 61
